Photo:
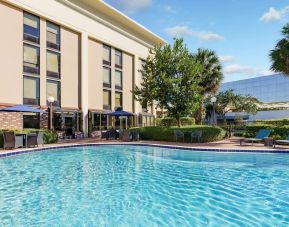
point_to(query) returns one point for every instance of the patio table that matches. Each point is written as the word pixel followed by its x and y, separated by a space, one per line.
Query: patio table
pixel 24 139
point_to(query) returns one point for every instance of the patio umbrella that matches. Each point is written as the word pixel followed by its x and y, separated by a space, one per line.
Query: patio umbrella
pixel 120 113
pixel 22 108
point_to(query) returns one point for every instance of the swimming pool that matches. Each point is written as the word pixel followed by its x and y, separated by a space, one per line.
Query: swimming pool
pixel 115 185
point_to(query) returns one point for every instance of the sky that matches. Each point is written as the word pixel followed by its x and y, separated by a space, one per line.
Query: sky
pixel 242 32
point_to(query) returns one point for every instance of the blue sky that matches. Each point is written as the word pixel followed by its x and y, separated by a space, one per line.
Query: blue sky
pixel 242 32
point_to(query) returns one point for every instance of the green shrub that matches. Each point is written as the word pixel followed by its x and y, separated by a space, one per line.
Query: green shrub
pixel 167 133
pixel 168 121
pixel 281 132
pixel 277 122
pixel 50 137
pixel 251 130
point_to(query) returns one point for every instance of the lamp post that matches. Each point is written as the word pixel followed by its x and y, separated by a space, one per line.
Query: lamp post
pixel 51 101
pixel 213 101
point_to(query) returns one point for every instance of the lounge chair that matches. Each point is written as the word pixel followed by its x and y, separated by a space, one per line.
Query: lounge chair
pixel 31 140
pixel 179 134
pixel 196 136
pixel 9 139
pixel 40 138
pixel 127 136
pixel 261 135
pixel 282 142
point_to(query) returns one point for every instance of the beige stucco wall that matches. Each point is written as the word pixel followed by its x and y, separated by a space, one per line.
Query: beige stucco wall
pixel 70 69
pixel 127 82
pixel 11 55
pixel 94 75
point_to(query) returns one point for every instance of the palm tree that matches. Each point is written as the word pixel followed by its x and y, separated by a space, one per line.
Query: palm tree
pixel 280 55
pixel 210 77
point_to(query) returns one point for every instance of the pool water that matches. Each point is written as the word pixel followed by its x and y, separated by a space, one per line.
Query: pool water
pixel 114 185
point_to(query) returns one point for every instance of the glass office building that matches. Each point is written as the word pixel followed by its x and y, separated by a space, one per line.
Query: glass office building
pixel 267 89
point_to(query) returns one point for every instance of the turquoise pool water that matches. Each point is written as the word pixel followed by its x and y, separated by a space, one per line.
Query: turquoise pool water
pixel 143 186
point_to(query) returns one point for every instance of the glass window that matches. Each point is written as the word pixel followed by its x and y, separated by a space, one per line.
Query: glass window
pixel 31 90
pixel 53 89
pixel 31 120
pixel 31 27
pixel 118 99
pixel 106 77
pixel 53 64
pixel 106 55
pixel 30 59
pixel 53 36
pixel 118 59
pixel 118 80
pixel 106 100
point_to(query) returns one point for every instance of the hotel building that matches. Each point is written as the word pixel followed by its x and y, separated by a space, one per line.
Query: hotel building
pixel 83 53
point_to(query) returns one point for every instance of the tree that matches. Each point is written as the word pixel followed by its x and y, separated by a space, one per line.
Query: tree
pixel 210 77
pixel 280 55
pixel 171 79
pixel 227 102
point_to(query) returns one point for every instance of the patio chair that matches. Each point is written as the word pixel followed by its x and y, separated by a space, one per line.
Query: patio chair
pixel 135 135
pixel 40 138
pixel 179 134
pixel 197 136
pixel 31 140
pixel 9 139
pixel 282 142
pixel 127 136
pixel 260 136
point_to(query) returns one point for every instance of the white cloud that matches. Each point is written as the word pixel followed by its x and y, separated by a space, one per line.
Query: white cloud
pixel 180 31
pixel 169 9
pixel 130 6
pixel 274 15
pixel 244 69
pixel 226 58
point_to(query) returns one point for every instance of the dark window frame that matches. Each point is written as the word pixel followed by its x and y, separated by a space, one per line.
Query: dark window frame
pixel 121 58
pixel 121 99
pixel 117 86
pixel 51 74
pixel 28 69
pixel 56 45
pixel 28 36
pixel 56 103
pixel 29 101
pixel 107 107
pixel 104 84
pixel 105 62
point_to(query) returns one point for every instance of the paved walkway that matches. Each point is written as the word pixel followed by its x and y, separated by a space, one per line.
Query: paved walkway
pixel 232 143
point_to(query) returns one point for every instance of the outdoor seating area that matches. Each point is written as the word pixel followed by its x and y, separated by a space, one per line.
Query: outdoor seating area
pixel 12 140
pixel 195 137
pixel 260 137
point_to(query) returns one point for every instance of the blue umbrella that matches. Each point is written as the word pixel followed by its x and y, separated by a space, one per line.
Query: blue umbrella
pixel 120 113
pixel 22 108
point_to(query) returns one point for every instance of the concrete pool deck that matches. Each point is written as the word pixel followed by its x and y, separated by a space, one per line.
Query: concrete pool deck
pixel 227 145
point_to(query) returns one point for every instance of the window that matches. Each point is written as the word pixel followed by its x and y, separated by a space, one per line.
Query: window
pixel 31 59
pixel 31 28
pixel 53 36
pixel 53 89
pixel 53 64
pixel 31 90
pixel 31 120
pixel 106 100
pixel 118 80
pixel 118 99
pixel 106 55
pixel 118 59
pixel 106 77
pixel 144 107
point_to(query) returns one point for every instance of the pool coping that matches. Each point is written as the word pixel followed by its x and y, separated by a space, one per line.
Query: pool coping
pixel 9 153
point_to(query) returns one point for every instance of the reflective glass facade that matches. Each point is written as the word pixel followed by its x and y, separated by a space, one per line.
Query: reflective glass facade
pixel 274 88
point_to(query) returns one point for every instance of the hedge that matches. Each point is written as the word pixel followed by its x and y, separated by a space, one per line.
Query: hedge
pixel 48 137
pixel 168 122
pixel 167 133
pixel 277 122
pixel 281 132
